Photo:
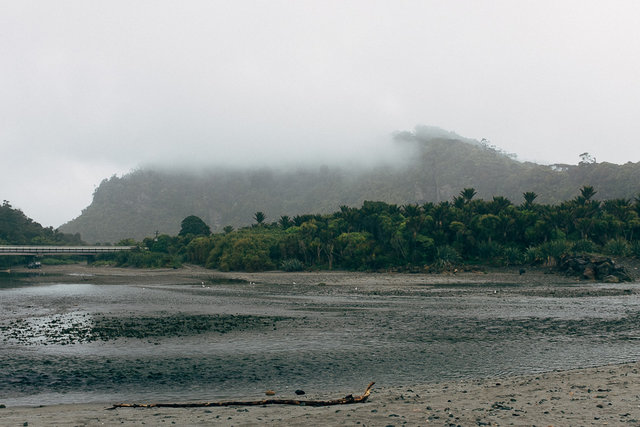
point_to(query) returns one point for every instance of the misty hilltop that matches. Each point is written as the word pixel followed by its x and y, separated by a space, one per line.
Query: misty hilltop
pixel 429 165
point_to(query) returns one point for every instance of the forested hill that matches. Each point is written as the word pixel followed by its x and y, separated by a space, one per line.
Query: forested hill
pixel 18 229
pixel 436 168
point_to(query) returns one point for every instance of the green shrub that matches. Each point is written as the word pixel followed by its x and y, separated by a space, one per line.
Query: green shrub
pixel 617 247
pixel 584 246
pixel 292 265
pixel 448 254
pixel 488 249
pixel 512 255
pixel 533 255
pixel 146 259
pixel 247 254
pixel 446 258
pixel 548 252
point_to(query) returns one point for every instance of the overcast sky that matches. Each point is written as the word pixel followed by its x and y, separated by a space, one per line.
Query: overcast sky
pixel 89 89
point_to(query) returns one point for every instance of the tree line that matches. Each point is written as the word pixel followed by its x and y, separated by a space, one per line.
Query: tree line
pixel 18 229
pixel 410 237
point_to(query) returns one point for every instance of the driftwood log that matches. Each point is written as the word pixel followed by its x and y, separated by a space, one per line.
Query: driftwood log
pixel 342 401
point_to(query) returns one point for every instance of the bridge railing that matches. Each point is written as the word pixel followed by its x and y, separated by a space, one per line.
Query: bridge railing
pixel 61 250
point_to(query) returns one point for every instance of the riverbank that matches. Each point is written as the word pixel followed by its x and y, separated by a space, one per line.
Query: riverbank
pixel 592 396
pixel 530 275
pixel 532 280
pixel 102 275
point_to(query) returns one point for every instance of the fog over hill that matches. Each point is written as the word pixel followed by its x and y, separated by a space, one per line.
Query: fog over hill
pixel 426 165
pixel 91 90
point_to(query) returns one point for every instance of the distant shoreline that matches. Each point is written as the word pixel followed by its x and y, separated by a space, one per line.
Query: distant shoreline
pixel 193 274
pixel 189 273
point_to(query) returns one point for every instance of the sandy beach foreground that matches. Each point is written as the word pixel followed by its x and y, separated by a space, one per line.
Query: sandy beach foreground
pixel 608 395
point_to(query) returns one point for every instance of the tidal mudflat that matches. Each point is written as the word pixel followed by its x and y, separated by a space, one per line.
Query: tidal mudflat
pixel 109 335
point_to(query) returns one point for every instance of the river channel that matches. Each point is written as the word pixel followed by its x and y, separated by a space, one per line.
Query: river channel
pixel 74 342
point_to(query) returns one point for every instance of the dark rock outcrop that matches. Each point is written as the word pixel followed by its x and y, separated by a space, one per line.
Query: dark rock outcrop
pixel 591 267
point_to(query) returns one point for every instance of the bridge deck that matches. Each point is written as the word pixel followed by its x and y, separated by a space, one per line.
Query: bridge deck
pixel 62 250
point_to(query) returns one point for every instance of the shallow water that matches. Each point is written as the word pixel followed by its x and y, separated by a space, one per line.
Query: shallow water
pixel 78 342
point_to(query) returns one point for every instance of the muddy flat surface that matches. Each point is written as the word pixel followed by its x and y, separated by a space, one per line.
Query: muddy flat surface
pixel 79 334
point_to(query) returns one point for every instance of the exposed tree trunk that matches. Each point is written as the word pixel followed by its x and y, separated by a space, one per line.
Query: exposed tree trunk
pixel 329 251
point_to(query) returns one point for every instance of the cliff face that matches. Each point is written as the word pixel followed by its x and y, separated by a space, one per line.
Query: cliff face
pixel 436 169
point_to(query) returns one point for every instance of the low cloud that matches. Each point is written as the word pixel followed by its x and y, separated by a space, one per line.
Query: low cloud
pixel 90 90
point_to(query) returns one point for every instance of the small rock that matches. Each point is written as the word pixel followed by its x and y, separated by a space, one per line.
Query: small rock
pixel 300 392
pixel 501 406
pixel 270 393
pixel 589 273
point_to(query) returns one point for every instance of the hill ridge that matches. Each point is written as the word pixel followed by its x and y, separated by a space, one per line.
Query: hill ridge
pixel 439 165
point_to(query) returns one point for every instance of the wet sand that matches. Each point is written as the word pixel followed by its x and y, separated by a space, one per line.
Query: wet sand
pixel 537 276
pixel 194 274
pixel 592 396
pixel 608 395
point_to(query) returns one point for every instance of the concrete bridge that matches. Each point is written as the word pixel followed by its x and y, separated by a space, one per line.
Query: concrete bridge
pixel 62 250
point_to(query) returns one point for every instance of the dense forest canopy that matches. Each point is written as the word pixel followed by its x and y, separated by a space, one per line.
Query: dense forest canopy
pixel 412 237
pixel 432 166
pixel 383 236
